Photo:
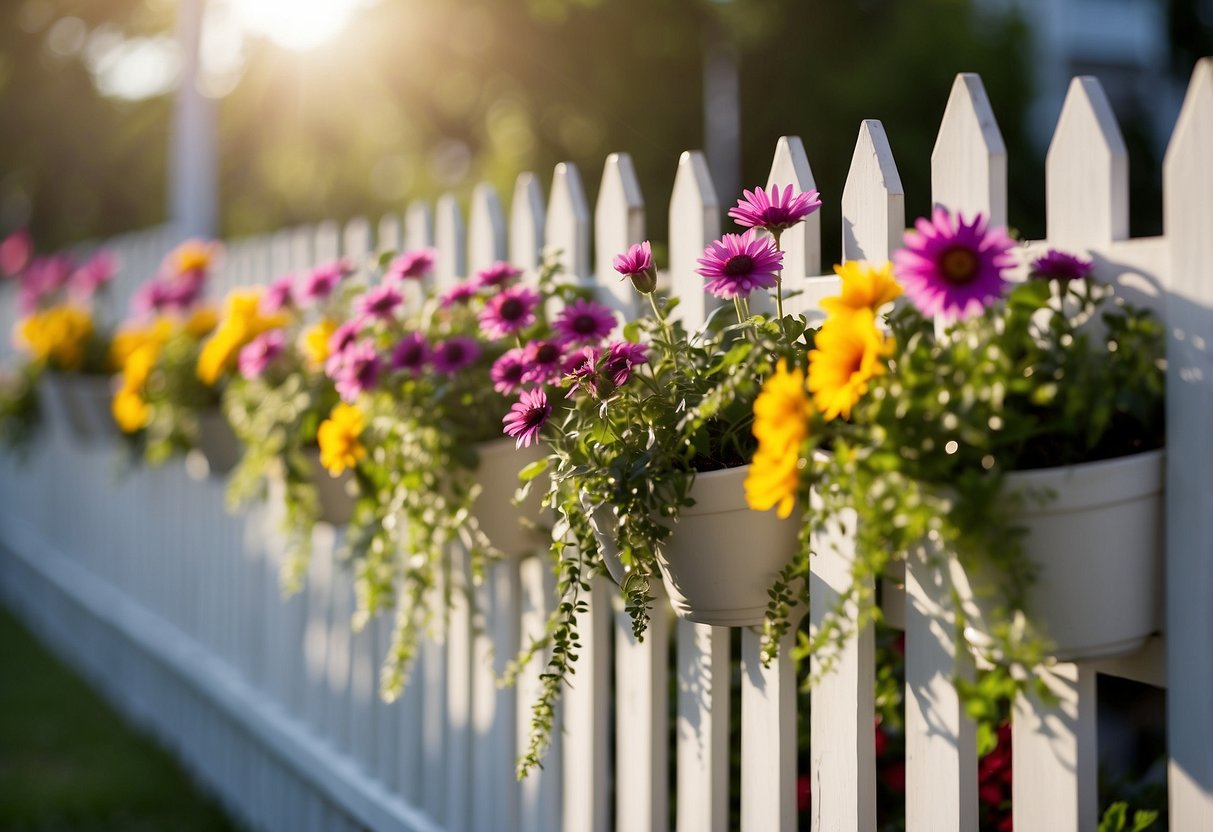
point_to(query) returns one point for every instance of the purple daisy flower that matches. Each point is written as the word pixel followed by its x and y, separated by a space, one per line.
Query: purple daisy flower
pixel 621 357
pixel 357 370
pixel 953 268
pixel 499 274
pixel 321 281
pixel 527 417
pixel 185 290
pixel 544 362
pixel 584 322
pixel 636 264
pixel 412 265
pixel 279 295
pixel 1057 265
pixel 97 272
pixel 152 296
pixel 453 354
pixel 511 311
pixel 378 302
pixel 260 353
pixel 343 339
pixel 506 373
pixel 460 293
pixel 737 264
pixel 582 372
pixel 15 252
pixel 774 211
pixel 411 353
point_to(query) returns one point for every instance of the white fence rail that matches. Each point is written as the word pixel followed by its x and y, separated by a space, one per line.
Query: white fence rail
pixel 171 605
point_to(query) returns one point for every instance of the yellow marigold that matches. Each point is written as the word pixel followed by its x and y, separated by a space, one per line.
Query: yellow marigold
pixel 131 338
pixel 864 286
pixel 56 335
pixel 219 353
pixel 192 256
pixel 781 414
pixel 242 322
pixel 338 437
pixel 201 322
pixel 138 366
pixel 314 342
pixel 130 411
pixel 850 352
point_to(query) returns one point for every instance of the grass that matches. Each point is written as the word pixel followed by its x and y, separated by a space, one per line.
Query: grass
pixel 68 762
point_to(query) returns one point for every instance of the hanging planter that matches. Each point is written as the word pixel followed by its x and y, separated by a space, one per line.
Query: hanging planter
pixel 721 558
pixel 217 444
pixel 335 496
pixel 1097 546
pixel 512 529
pixel 83 403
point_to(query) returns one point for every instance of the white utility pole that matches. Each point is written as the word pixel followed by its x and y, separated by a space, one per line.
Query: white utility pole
pixel 192 183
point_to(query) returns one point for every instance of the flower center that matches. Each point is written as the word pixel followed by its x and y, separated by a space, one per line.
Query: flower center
pixel 584 325
pixel 738 265
pixel 959 265
pixel 454 353
pixel 547 354
pixel 512 309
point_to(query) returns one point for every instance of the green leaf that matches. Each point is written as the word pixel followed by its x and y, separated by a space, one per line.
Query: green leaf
pixel 533 470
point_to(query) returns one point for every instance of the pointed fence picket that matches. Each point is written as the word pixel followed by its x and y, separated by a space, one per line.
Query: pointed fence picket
pixel 176 612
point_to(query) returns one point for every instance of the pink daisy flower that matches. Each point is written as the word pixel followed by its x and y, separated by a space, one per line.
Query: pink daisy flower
pixel 343 339
pixel 510 311
pixel 952 268
pixel 499 274
pixel 460 293
pixel 506 373
pixel 1057 265
pixel 453 354
pixel 622 356
pixel 260 353
pixel 322 280
pixel 527 417
pixel 98 271
pixel 584 322
pixel 411 354
pixel 737 264
pixel 582 373
pixel 278 295
pixel 378 302
pixel 357 371
pixel 544 362
pixel 774 211
pixel 15 252
pixel 636 264
pixel 412 265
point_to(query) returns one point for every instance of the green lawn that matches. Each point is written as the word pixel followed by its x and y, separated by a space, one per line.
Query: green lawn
pixel 68 762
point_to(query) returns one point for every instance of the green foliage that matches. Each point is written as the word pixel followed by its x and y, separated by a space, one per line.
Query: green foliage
pixel 20 409
pixel 176 397
pixel 1116 819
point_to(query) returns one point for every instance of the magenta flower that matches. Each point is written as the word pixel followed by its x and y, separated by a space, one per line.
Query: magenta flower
pixel 636 264
pixel 544 362
pixel 96 272
pixel 15 252
pixel 584 322
pixel 506 373
pixel 278 295
pixel 357 371
pixel 42 277
pixel 411 353
pixel 622 356
pixel 378 302
pixel 260 353
pixel 153 296
pixel 453 354
pixel 513 310
pixel 527 417
pixel 343 339
pixel 774 211
pixel 737 264
pixel 321 281
pixel 497 275
pixel 1057 265
pixel 460 293
pixel 952 268
pixel 582 372
pixel 412 265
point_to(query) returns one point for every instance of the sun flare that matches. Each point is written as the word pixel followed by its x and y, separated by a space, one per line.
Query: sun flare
pixel 297 24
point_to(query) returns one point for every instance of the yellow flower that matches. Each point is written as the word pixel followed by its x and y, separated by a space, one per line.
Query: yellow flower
pixel 781 421
pixel 192 256
pixel 338 435
pixel 138 366
pixel 56 335
pixel 242 322
pixel 219 353
pixel 864 286
pixel 131 338
pixel 130 410
pixel 850 352
pixel 202 321
pixel 314 343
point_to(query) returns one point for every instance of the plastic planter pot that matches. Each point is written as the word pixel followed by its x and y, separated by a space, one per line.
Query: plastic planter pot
pixel 511 529
pixel 721 557
pixel 217 444
pixel 1097 545
pixel 335 496
pixel 83 403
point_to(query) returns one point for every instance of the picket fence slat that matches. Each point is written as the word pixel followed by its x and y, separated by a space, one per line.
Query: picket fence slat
pixel 969 162
pixel 567 226
pixel 704 694
pixel 527 219
pixel 486 229
pixel 418 226
pixel 768 736
pixel 801 244
pixel 1188 218
pixel 433 660
pixel 586 714
pixel 618 224
pixel 694 222
pixel 458 694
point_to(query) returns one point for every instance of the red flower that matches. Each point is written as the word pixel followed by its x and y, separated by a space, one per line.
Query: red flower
pixel 804 793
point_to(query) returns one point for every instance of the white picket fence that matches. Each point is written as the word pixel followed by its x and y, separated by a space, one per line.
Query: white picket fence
pixel 171 605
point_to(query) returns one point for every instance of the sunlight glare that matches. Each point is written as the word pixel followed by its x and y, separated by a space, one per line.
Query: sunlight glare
pixel 296 24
